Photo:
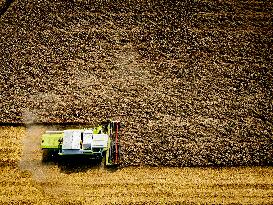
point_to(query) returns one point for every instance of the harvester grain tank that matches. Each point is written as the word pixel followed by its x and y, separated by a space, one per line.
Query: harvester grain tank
pixel 101 143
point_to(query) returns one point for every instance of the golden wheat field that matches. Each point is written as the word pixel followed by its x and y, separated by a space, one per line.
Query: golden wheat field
pixel 25 180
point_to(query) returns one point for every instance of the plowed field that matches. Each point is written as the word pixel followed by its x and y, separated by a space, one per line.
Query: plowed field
pixel 25 180
pixel 191 80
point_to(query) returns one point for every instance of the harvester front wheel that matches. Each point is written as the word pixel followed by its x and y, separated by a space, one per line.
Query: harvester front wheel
pixel 103 160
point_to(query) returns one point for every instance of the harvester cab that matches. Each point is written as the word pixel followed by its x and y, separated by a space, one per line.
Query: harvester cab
pixel 101 143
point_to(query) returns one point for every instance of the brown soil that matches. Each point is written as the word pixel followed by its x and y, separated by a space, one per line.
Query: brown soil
pixel 191 80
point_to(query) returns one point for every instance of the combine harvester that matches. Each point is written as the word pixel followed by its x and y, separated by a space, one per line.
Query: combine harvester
pixel 99 143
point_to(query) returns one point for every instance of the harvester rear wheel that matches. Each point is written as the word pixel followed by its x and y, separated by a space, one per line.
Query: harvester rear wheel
pixel 49 155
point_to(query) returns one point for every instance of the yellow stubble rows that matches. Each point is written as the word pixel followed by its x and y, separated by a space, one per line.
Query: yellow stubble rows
pixel 24 179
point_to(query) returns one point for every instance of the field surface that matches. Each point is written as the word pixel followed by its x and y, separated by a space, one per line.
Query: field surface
pixel 191 80
pixel 25 180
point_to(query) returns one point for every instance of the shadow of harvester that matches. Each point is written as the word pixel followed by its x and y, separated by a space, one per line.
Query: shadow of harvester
pixel 74 164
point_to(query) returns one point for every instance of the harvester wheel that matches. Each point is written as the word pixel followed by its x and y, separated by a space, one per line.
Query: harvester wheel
pixel 48 155
pixel 103 160
pixel 45 156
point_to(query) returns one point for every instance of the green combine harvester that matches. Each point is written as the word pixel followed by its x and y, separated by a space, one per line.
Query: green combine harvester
pixel 100 143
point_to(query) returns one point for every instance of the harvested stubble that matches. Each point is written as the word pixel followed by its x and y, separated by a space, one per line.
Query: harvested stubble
pixel 28 181
pixel 192 80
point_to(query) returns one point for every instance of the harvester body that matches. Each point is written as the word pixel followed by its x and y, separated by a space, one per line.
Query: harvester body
pixel 101 142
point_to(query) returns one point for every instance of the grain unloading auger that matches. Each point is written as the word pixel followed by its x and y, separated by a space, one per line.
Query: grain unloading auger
pixel 101 143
